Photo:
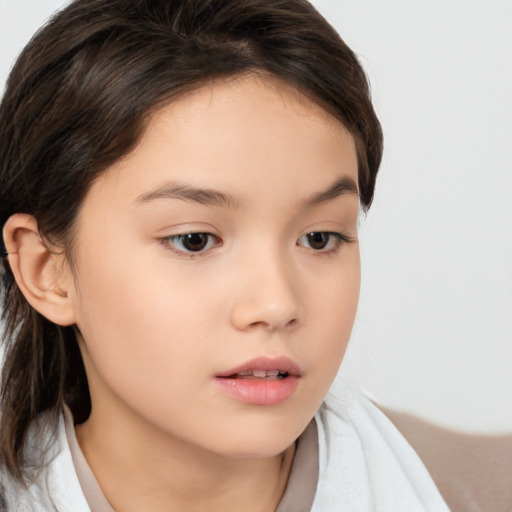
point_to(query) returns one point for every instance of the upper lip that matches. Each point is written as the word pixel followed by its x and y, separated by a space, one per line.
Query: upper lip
pixel 283 364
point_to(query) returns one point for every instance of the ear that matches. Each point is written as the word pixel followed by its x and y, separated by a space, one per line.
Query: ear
pixel 41 273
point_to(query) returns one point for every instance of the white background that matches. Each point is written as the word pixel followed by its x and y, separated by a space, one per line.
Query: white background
pixel 434 328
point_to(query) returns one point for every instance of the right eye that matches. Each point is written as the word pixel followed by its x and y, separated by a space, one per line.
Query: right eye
pixel 191 243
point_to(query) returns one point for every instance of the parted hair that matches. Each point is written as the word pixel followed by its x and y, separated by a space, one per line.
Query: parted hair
pixel 77 100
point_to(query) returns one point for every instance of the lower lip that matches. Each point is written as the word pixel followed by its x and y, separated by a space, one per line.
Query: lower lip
pixel 259 391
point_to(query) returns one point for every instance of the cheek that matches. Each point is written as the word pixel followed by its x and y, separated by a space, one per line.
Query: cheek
pixel 334 308
pixel 139 319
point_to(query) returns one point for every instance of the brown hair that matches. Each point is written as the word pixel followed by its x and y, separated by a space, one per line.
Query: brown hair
pixel 76 102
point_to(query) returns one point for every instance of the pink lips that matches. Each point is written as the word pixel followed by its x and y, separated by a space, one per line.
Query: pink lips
pixel 273 389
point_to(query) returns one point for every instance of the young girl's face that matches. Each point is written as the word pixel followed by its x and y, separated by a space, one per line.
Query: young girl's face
pixel 217 270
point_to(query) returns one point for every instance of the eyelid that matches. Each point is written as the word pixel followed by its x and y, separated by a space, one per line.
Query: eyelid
pixel 169 242
pixel 340 240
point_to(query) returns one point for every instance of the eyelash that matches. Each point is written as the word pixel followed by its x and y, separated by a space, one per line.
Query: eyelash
pixel 334 239
pixel 171 241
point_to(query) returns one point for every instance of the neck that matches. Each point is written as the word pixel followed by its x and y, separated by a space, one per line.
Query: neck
pixel 142 468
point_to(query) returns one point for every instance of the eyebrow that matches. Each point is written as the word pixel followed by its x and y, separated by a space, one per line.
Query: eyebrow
pixel 343 185
pixel 215 198
pixel 204 196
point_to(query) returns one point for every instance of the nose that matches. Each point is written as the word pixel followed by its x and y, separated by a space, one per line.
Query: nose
pixel 267 296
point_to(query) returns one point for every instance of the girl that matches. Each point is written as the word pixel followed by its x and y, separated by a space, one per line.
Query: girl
pixel 180 187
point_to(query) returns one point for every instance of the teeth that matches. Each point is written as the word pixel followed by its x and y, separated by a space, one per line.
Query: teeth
pixel 261 374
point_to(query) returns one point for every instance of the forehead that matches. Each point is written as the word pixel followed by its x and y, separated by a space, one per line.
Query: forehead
pixel 247 133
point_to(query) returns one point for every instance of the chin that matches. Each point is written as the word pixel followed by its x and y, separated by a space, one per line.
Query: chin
pixel 260 440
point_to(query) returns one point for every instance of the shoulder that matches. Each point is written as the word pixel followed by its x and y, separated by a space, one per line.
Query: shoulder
pixel 14 495
pixel 50 479
pixel 472 472
pixel 366 464
pixel 28 495
pixel 3 494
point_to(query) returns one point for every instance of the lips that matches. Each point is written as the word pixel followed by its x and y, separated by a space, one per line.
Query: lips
pixel 282 365
pixel 261 381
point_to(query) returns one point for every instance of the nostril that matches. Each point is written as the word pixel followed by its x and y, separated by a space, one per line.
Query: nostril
pixel 292 323
pixel 264 325
pixel 273 325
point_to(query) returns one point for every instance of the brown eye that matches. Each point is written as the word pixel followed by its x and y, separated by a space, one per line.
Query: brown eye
pixel 195 241
pixel 318 240
pixel 192 242
pixel 323 241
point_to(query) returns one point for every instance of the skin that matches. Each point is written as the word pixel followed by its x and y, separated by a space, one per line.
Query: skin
pixel 157 323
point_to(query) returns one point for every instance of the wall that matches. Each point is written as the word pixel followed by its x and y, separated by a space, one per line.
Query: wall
pixel 434 333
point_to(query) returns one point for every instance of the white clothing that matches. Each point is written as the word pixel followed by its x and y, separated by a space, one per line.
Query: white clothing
pixel 364 465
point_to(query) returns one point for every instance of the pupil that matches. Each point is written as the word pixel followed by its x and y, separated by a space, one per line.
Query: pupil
pixel 318 240
pixel 195 241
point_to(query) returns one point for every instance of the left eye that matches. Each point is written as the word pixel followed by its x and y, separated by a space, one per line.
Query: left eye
pixel 322 241
pixel 192 242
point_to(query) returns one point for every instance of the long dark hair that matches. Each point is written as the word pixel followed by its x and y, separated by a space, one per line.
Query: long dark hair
pixel 77 101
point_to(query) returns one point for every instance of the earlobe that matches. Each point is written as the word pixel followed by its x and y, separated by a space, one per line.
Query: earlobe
pixel 38 271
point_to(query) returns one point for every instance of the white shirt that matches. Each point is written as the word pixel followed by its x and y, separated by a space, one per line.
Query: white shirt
pixel 364 465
